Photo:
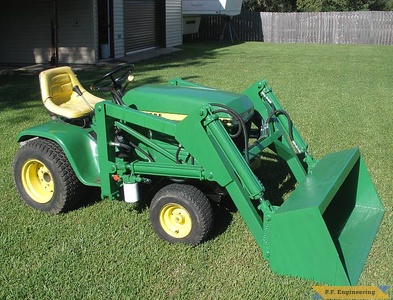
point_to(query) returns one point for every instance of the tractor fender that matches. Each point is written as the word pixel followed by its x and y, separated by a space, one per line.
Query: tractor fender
pixel 79 145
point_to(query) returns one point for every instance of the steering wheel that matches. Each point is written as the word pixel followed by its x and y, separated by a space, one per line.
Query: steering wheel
pixel 114 79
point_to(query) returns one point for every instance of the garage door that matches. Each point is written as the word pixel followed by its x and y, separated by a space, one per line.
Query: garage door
pixel 142 24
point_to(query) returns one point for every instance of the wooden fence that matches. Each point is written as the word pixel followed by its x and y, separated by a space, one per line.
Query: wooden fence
pixel 361 27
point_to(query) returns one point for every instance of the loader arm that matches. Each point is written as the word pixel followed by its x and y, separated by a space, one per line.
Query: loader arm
pixel 223 160
pixel 278 131
pixel 319 223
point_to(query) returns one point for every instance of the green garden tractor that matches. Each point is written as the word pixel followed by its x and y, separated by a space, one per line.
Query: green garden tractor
pixel 194 146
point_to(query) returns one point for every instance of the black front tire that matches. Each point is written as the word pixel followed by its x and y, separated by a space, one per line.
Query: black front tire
pixel 181 213
pixel 44 177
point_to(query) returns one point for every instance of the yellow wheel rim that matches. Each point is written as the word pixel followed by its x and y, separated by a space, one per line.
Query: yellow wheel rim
pixel 175 220
pixel 37 181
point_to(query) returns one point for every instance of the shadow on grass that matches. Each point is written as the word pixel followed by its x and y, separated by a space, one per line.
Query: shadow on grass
pixel 89 196
pixel 223 215
pixel 276 177
pixel 19 91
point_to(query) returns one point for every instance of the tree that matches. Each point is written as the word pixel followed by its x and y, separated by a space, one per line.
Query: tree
pixel 333 5
pixel 316 5
pixel 381 5
pixel 270 5
pixel 309 5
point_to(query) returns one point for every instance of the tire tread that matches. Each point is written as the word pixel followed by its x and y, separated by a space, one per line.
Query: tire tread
pixel 53 152
pixel 196 199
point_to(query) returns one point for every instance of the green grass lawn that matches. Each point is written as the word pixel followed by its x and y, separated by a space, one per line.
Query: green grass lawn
pixel 339 96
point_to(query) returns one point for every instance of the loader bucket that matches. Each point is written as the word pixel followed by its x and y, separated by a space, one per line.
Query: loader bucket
pixel 325 229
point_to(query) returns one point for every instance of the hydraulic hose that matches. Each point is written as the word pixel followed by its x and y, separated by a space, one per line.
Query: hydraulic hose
pixel 239 130
pixel 177 154
pixel 242 127
pixel 278 112
pixel 189 156
pixel 281 112
pixel 142 151
pixel 120 144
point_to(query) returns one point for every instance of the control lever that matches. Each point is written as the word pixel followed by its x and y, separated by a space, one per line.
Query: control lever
pixel 77 90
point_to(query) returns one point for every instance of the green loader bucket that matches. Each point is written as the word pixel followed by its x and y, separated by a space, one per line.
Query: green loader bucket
pixel 325 229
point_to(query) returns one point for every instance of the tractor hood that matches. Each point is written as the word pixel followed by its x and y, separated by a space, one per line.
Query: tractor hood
pixel 176 102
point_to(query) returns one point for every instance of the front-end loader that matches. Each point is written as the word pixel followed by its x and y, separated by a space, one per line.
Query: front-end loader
pixel 198 145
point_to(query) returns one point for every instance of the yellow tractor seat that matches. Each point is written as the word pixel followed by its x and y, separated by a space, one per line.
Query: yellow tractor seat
pixel 57 91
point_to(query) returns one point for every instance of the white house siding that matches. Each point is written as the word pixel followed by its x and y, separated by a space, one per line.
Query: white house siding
pixel 77 34
pixel 118 28
pixel 25 31
pixel 174 22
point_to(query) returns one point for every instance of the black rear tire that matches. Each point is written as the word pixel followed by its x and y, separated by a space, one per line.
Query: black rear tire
pixel 44 177
pixel 181 213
